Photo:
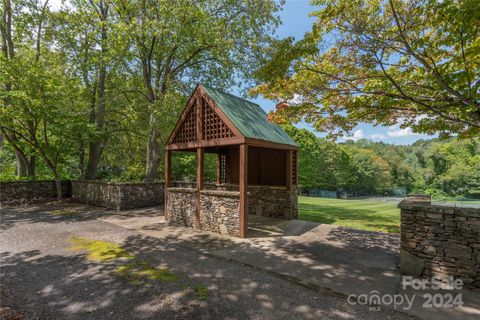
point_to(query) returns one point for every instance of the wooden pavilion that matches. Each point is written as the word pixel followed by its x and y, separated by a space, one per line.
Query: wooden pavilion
pixel 252 153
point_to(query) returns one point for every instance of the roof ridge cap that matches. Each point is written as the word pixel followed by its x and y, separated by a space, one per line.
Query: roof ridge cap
pixel 228 93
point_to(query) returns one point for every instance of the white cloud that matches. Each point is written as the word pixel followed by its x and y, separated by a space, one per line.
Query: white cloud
pixel 395 132
pixel 357 135
pixel 297 99
pixel 56 5
pixel 376 136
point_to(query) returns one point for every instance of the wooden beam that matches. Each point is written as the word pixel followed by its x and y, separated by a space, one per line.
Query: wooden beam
pixel 200 156
pixel 288 169
pixel 205 144
pixel 243 184
pixel 168 170
pixel 269 144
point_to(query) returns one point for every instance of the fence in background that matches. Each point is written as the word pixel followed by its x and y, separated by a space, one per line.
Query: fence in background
pixel 399 192
pixel 318 193
pixel 459 202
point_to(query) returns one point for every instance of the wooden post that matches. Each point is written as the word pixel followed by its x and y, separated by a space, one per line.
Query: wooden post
pixel 295 165
pixel 219 168
pixel 168 169
pixel 288 169
pixel 199 184
pixel 199 127
pixel 243 184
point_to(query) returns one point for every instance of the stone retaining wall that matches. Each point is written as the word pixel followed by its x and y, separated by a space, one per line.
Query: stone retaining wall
pixel 181 206
pixel 219 210
pixel 19 192
pixel 119 196
pixel 440 241
pixel 275 202
pixel 268 201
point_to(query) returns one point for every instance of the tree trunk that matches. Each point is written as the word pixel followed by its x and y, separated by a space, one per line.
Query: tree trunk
pixel 96 146
pixel 154 147
pixel 22 164
pixel 81 157
pixel 31 161
pixel 95 152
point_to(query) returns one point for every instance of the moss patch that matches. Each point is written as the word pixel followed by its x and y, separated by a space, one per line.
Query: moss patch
pixel 136 271
pixel 63 212
pixel 99 250
pixel 201 291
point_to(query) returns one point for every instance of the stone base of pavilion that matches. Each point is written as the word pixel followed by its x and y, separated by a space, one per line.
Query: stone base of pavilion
pixel 220 205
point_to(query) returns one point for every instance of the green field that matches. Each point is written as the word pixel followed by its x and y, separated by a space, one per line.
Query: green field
pixel 368 214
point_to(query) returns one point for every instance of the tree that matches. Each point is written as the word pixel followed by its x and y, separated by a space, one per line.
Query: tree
pixel 322 163
pixel 179 43
pixel 40 107
pixel 85 33
pixel 411 62
pixel 35 26
pixel 45 96
pixel 455 168
pixel 373 174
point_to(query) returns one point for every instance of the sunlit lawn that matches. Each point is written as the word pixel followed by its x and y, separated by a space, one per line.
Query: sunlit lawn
pixel 371 214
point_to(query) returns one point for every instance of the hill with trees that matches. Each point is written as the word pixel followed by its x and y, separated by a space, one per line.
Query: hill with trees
pixel 442 168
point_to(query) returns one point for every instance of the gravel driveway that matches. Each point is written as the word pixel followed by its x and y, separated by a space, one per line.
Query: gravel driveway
pixel 42 278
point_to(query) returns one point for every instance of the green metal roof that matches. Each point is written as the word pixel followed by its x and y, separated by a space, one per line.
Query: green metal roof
pixel 248 117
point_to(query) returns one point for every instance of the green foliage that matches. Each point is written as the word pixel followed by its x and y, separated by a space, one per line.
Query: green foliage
pixel 111 77
pixel 201 291
pixel 441 168
pixel 416 63
pixel 184 166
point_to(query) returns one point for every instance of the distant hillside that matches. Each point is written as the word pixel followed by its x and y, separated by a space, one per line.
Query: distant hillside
pixel 443 168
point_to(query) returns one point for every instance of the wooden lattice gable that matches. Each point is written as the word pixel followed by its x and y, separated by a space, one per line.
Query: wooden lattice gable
pixel 203 123
pixel 188 130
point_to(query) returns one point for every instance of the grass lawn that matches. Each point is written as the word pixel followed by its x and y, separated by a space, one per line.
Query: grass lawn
pixel 368 214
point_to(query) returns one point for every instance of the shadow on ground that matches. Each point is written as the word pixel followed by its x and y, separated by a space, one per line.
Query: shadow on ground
pixel 48 281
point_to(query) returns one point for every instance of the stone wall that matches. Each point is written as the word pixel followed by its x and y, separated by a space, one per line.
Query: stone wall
pixel 219 210
pixel 19 192
pixel 440 241
pixel 275 202
pixel 268 201
pixel 181 206
pixel 119 196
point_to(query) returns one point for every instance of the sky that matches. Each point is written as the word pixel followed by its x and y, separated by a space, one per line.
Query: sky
pixel 295 22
